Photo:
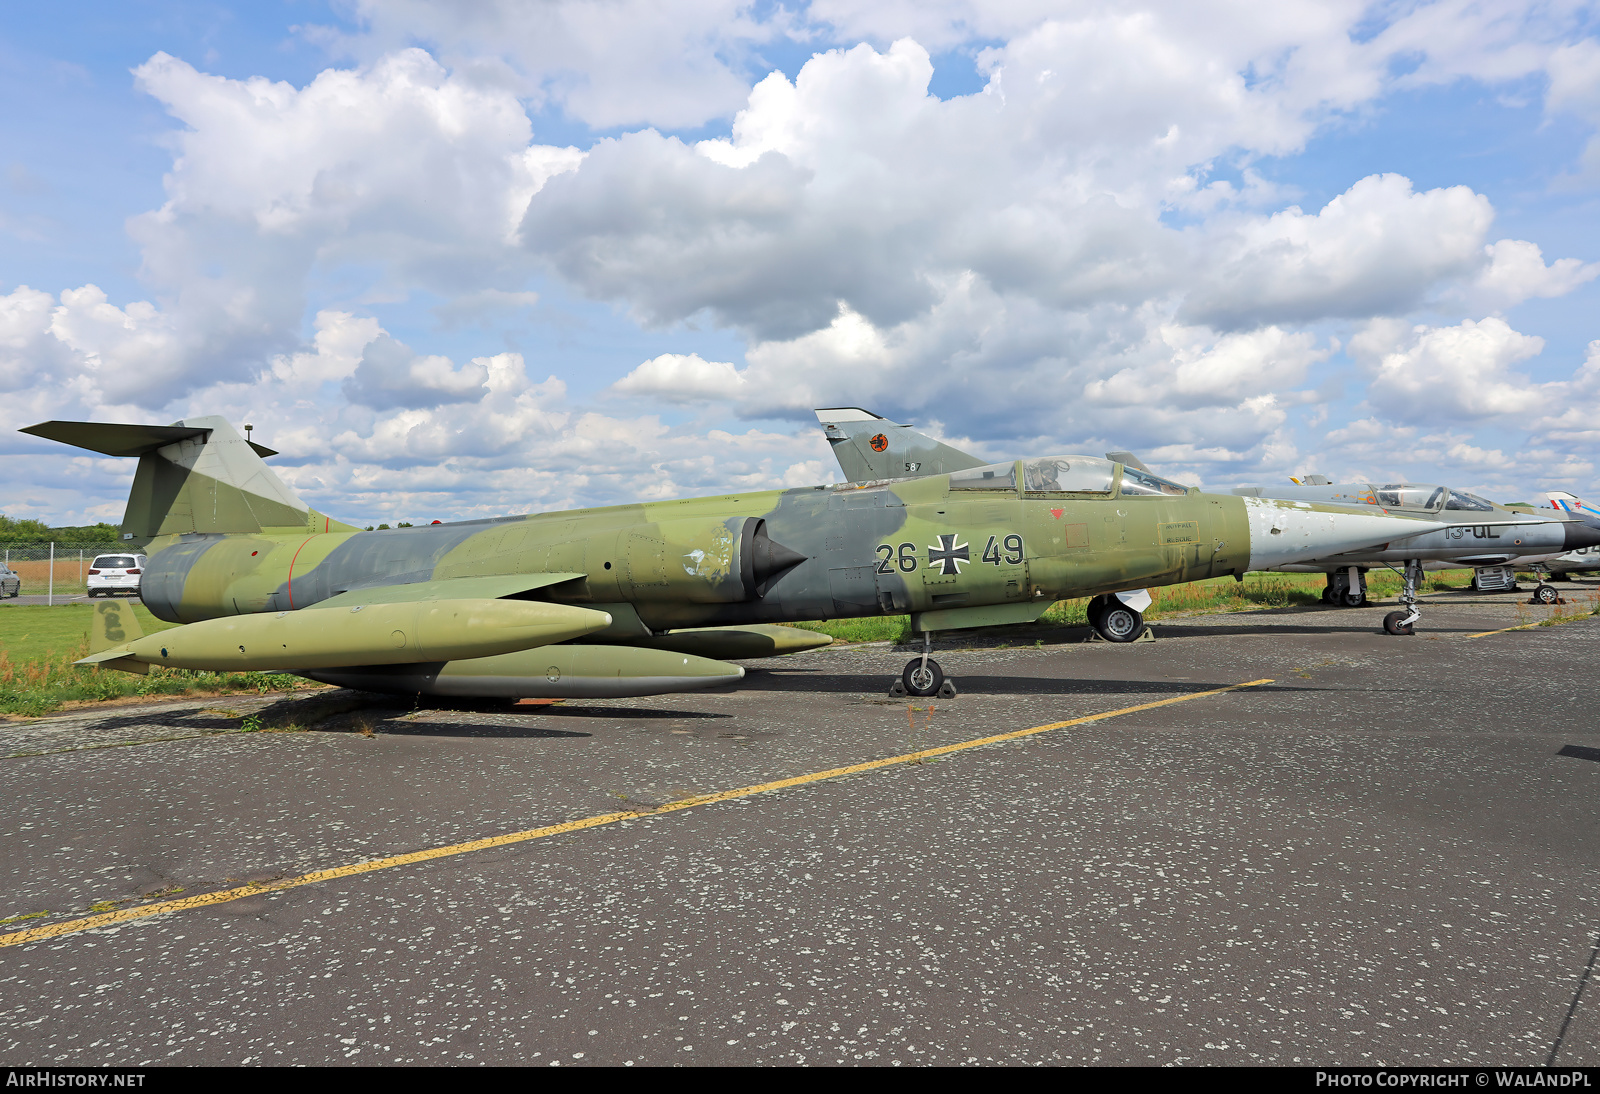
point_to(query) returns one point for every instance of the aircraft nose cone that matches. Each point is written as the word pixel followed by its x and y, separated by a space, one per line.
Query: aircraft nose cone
pixel 1289 532
pixel 1578 534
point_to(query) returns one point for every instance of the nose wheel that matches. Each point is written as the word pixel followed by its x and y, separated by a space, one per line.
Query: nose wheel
pixel 922 677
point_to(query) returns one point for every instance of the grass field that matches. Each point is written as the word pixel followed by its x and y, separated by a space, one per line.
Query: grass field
pixel 38 645
pixel 29 632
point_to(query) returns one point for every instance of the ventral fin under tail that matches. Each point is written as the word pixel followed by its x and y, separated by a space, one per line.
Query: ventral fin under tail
pixel 195 475
pixel 113 628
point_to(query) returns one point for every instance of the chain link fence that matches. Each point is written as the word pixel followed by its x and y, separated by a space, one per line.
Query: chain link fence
pixel 60 569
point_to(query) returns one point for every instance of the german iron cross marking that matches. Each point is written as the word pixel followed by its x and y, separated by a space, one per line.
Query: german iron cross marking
pixel 948 555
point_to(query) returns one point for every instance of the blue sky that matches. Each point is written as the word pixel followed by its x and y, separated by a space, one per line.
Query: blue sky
pixel 1032 262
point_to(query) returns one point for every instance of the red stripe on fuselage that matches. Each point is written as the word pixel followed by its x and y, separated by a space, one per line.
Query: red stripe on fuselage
pixel 292 561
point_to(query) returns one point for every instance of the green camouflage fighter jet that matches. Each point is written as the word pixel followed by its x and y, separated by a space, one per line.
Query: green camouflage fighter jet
pixel 646 598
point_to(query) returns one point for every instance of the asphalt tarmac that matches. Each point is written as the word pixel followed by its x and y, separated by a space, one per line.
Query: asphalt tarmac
pixel 1387 855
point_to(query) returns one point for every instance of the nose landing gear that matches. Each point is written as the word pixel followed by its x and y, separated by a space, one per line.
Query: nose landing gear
pixel 1404 622
pixel 922 676
pixel 1545 594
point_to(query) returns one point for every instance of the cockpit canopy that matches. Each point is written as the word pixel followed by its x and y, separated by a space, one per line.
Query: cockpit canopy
pixel 1135 481
pixel 1068 475
pixel 1460 499
pixel 1063 475
pixel 992 476
pixel 1410 495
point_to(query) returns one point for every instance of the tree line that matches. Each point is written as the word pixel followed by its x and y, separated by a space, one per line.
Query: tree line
pixel 23 530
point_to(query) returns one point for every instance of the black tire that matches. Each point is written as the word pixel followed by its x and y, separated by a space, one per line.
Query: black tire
pixel 1096 608
pixel 1392 624
pixel 1327 594
pixel 1120 623
pixel 1546 594
pixel 1353 598
pixel 919 683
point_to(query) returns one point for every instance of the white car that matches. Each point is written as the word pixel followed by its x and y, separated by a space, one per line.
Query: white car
pixel 112 574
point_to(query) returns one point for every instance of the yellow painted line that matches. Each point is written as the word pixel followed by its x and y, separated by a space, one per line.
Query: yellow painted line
pixel 106 919
pixel 1503 630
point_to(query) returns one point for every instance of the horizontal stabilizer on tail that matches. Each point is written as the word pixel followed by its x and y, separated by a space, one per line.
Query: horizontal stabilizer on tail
pixel 195 475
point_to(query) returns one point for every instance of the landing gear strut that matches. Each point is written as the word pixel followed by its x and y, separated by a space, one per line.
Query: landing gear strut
pixel 1404 622
pixel 922 676
pixel 1542 593
pixel 1346 588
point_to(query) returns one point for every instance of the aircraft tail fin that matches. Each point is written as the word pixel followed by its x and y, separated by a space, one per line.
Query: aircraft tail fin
pixel 870 447
pixel 196 475
pixel 1560 499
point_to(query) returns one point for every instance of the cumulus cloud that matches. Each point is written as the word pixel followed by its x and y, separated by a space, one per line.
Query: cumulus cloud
pixel 1516 271
pixel 1378 248
pixel 1437 373
pixel 682 378
pixel 390 375
pixel 1192 367
pixel 29 352
pixel 1051 261
pixel 401 165
pixel 672 63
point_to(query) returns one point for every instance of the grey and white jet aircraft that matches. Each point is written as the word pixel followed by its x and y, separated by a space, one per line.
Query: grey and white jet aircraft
pixel 1584 559
pixel 1479 534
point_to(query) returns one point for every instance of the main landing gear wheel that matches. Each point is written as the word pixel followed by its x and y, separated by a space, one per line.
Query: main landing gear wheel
pixel 1546 594
pixel 1120 623
pixel 1113 620
pixel 922 677
pixel 1353 598
pixel 1394 623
